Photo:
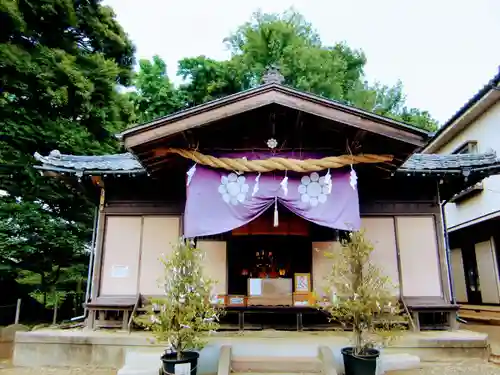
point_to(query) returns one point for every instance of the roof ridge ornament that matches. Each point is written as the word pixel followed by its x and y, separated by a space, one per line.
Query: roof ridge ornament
pixel 273 75
pixel 56 154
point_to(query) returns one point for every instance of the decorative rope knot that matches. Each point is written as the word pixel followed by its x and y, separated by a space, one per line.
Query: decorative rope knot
pixel 278 163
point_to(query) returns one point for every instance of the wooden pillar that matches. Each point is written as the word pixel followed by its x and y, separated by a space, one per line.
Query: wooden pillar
pixel 443 258
pixel 96 274
pixel 416 321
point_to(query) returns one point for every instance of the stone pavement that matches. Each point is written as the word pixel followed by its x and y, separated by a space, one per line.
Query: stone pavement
pixel 493 332
pixel 472 367
pixel 466 367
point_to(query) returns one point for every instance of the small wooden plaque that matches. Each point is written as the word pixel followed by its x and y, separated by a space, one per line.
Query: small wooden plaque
pixel 302 299
pixel 219 300
pixel 233 300
pixel 302 283
pixel 276 300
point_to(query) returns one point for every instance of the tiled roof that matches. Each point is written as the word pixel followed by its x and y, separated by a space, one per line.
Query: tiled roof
pixel 128 163
pixel 113 163
pixel 422 162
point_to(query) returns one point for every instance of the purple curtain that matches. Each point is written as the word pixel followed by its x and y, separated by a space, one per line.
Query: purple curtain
pixel 219 201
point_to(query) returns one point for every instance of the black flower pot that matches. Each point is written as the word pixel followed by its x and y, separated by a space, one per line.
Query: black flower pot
pixel 360 364
pixel 169 361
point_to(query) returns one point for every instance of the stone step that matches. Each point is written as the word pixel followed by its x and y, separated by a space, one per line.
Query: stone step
pixel 289 365
pixel 494 356
pixel 398 362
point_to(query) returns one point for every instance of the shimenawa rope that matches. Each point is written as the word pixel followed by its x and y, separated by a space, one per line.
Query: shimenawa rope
pixel 278 163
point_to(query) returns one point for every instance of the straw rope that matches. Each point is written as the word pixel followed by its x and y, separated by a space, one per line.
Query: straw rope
pixel 277 163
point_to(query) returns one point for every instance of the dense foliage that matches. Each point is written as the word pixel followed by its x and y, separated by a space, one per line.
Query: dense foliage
pixel 287 41
pixel 60 64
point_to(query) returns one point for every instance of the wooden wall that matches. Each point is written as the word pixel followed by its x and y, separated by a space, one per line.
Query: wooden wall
pixel 401 217
pixel 132 246
pixel 405 248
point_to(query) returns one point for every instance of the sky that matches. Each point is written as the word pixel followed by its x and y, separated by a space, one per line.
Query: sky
pixel 443 51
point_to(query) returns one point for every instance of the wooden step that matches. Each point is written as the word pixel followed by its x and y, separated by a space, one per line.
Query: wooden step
pixel 276 365
pixel 494 309
pixel 494 358
pixel 479 315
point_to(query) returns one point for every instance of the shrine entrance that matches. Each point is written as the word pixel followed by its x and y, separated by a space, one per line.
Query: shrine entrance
pixel 266 257
pixel 265 263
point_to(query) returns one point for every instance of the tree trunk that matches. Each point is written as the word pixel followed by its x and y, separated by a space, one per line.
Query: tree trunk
pixel 44 290
pixel 358 340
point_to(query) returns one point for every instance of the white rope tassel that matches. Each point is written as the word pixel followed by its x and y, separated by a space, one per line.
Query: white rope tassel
pixel 328 181
pixel 276 219
pixel 353 179
pixel 256 186
pixel 284 185
pixel 190 174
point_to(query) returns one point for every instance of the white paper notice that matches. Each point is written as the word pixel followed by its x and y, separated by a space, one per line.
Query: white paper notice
pixel 182 369
pixel 255 287
pixel 119 272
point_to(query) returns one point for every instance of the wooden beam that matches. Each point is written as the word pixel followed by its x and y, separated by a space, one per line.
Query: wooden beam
pixel 161 161
pixel 97 181
pixel 321 108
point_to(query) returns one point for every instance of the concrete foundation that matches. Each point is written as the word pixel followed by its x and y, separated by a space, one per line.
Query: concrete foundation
pixel 57 348
pixel 7 336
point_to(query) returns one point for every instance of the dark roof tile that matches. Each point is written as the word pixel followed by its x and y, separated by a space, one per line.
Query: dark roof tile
pixel 117 162
pixel 127 162
pixel 430 162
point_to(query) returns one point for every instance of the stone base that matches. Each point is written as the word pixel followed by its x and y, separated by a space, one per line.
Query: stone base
pixel 7 335
pixel 147 363
pixel 57 348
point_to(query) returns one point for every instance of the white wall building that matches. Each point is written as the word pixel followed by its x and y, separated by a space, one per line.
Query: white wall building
pixel 473 216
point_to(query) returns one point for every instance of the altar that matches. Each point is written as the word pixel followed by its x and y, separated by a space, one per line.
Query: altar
pixel 269 265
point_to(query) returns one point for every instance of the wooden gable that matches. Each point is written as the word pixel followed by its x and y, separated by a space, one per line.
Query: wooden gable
pixel 300 122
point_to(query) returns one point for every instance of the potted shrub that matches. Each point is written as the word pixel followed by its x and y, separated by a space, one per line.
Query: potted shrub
pixel 185 316
pixel 362 299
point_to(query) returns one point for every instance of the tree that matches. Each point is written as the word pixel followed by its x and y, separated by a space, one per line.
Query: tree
pixel 362 299
pixel 290 42
pixel 155 94
pixel 184 316
pixel 61 64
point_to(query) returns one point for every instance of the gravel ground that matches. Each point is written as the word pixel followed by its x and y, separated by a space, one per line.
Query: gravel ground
pixel 56 371
pixel 469 367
